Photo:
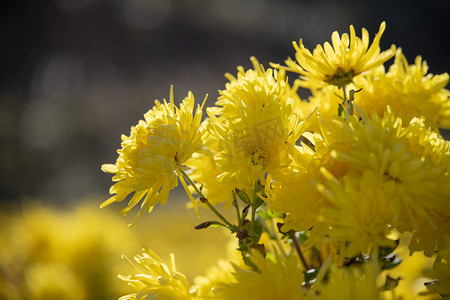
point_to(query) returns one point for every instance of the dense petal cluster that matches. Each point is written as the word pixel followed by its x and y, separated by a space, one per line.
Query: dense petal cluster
pixel 360 212
pixel 365 177
pixel 338 64
pixel 408 90
pixel 153 154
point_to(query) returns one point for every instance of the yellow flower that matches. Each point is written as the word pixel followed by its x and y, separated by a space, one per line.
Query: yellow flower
pixel 302 209
pixel 408 90
pixel 52 281
pixel 155 280
pixel 294 191
pixel 412 158
pixel 281 279
pixel 252 125
pixel 363 207
pixel 341 63
pixel 154 153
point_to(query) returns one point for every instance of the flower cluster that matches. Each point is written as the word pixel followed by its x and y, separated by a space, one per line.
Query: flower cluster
pixel 323 190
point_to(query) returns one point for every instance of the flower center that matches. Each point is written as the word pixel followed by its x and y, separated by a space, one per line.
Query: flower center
pixel 259 157
pixel 341 77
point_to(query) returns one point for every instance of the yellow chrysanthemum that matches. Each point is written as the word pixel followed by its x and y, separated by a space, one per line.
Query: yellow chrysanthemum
pixel 382 145
pixel 293 193
pixel 154 153
pixel 338 64
pixel 408 90
pixel 281 279
pixel 415 159
pixel 252 125
pixel 155 280
pixel 363 207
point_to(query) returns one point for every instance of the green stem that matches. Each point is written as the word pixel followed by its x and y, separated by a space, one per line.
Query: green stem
pixel 238 213
pixel 205 201
pixel 252 221
pixel 215 211
pixel 346 104
pixel 186 176
pixel 277 237
pixel 299 250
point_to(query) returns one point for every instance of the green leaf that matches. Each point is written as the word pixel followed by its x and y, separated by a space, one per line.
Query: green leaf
pixel 208 224
pixel 391 283
pixel 245 212
pixel 243 196
pixel 341 111
pixel 303 236
pixel 310 276
pixel 385 251
pixel 256 233
pixel 269 214
pixel 390 262
pixel 258 202
pixel 352 94
pixel 249 263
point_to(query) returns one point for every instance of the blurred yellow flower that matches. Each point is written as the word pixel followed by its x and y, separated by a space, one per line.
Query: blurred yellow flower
pixel 154 153
pixel 208 286
pixel 440 273
pixel 154 279
pixel 409 270
pixel 53 281
pixel 338 64
pixel 48 253
pixel 353 283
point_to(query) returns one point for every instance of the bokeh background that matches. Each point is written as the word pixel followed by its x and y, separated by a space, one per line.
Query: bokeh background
pixel 76 74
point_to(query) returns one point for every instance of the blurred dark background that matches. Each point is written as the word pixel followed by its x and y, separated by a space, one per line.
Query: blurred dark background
pixel 76 74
